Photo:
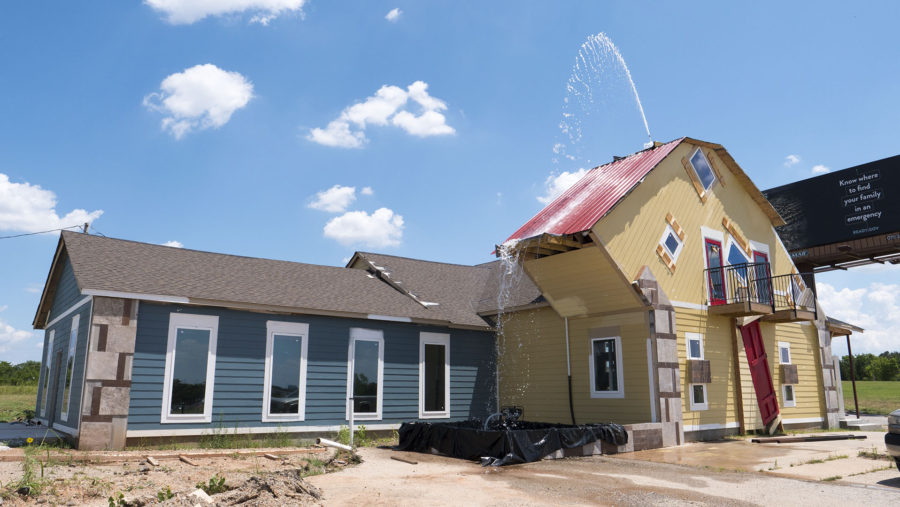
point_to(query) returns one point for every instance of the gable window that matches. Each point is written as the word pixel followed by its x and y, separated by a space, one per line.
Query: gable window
pixel 787 395
pixel 698 397
pixel 784 352
pixel 48 360
pixel 694 346
pixel 70 368
pixel 702 169
pixel 434 375
pixel 365 373
pixel 190 368
pixel 606 368
pixel 284 394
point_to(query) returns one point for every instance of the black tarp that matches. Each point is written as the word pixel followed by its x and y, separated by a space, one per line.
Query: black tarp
pixel 522 443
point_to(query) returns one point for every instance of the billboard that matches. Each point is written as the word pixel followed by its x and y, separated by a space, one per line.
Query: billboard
pixel 844 205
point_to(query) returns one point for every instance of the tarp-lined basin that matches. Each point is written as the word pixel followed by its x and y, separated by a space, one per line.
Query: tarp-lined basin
pixel 507 444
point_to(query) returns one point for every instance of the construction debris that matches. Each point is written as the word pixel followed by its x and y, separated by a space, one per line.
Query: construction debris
pixel 152 461
pixel 812 438
pixel 405 460
pixel 187 460
pixel 271 457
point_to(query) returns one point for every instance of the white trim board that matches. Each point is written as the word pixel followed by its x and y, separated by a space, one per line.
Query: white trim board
pixel 288 329
pixel 65 429
pixel 690 306
pixel 713 426
pixel 178 321
pixel 388 318
pixel 371 335
pixel 172 432
pixel 442 339
pixel 136 295
pixel 66 313
pixel 802 420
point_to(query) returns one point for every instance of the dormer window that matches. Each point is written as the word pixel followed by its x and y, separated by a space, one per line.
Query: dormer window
pixel 702 169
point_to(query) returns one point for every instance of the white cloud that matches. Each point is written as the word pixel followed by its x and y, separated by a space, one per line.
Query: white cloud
pixel 875 308
pixel 180 12
pixel 791 160
pixel 393 15
pixel 336 199
pixel 367 191
pixel 10 337
pixel 382 109
pixel 820 169
pixel 30 208
pixel 3 308
pixel 201 97
pixel 380 229
pixel 556 184
pixel 173 244
pixel 35 288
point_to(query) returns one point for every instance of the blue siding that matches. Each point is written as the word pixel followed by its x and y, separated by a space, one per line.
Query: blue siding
pixel 61 345
pixel 67 291
pixel 240 363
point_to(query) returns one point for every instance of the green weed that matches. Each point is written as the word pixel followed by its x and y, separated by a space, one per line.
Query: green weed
pixel 215 485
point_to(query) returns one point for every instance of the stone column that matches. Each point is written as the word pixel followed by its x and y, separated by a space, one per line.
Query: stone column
pixel 664 352
pixel 829 379
pixel 107 385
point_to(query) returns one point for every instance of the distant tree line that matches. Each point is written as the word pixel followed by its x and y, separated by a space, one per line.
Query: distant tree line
pixel 21 374
pixel 884 366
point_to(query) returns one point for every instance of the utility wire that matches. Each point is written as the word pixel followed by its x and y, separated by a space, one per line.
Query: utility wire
pixel 41 232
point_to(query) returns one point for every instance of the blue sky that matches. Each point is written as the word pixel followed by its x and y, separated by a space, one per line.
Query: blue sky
pixel 194 126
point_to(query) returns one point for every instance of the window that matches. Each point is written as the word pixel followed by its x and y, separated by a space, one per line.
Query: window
pixel 434 375
pixel 698 397
pixel 365 373
pixel 606 368
pixel 671 242
pixel 694 345
pixel 70 368
pixel 784 352
pixel 737 256
pixel 284 391
pixel 702 169
pixel 787 392
pixel 190 368
pixel 47 363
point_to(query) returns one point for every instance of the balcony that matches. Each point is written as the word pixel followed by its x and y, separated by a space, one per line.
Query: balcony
pixel 744 290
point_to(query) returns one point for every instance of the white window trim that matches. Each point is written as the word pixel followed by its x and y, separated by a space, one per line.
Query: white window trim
pixel 761 248
pixel 784 345
pixel 70 355
pixel 373 335
pixel 662 241
pixel 434 339
pixel 300 330
pixel 699 406
pixel 190 321
pixel 48 367
pixel 620 393
pixel 707 233
pixel 687 342
pixel 784 400
pixel 697 173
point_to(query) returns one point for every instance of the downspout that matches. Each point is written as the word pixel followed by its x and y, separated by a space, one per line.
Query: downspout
pixel 569 373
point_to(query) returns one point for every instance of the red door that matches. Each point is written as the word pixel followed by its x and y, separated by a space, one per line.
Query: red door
pixel 759 372
pixel 715 273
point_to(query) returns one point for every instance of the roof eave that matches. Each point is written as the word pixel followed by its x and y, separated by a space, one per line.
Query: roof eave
pixel 43 309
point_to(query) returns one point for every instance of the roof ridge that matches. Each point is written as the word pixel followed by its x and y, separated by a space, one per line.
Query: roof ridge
pixel 423 260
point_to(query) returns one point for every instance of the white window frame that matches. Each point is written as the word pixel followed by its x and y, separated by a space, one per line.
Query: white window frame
pixel 190 321
pixel 697 173
pixel 784 345
pixel 434 339
pixel 620 380
pixel 280 328
pixel 70 355
pixel 373 335
pixel 662 241
pixel 784 400
pixel 687 339
pixel 699 406
pixel 707 233
pixel 48 364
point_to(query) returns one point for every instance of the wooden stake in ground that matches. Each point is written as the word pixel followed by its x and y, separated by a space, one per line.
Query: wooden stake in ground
pixel 271 457
pixel 405 460
pixel 187 460
pixel 152 461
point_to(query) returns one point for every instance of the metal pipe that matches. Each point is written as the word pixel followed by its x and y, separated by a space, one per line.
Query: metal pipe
pixel 350 401
pixel 852 376
pixel 332 443
pixel 569 373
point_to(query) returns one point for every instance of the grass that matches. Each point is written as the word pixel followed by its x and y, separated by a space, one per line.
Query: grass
pixel 875 396
pixel 15 400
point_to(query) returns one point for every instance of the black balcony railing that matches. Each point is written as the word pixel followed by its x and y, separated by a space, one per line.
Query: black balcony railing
pixel 754 283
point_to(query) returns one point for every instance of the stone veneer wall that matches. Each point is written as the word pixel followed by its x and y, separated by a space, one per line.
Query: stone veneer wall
pixel 107 385
pixel 666 375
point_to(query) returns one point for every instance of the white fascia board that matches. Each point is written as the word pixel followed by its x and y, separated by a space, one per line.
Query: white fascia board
pixel 388 318
pixel 68 312
pixel 135 295
pixel 252 430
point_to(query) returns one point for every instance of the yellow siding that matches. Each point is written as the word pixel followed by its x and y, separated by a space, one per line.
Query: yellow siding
pixel 582 282
pixel 532 367
pixel 633 228
pixel 805 354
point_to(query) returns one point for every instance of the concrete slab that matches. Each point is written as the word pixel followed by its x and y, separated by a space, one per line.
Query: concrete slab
pixel 16 434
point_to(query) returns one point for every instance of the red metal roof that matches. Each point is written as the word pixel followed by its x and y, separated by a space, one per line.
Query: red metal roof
pixel 594 195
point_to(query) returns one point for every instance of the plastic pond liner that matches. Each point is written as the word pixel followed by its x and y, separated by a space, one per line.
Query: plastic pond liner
pixel 504 442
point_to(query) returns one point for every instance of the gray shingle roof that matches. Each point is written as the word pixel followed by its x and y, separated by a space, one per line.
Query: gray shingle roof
pixel 118 265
